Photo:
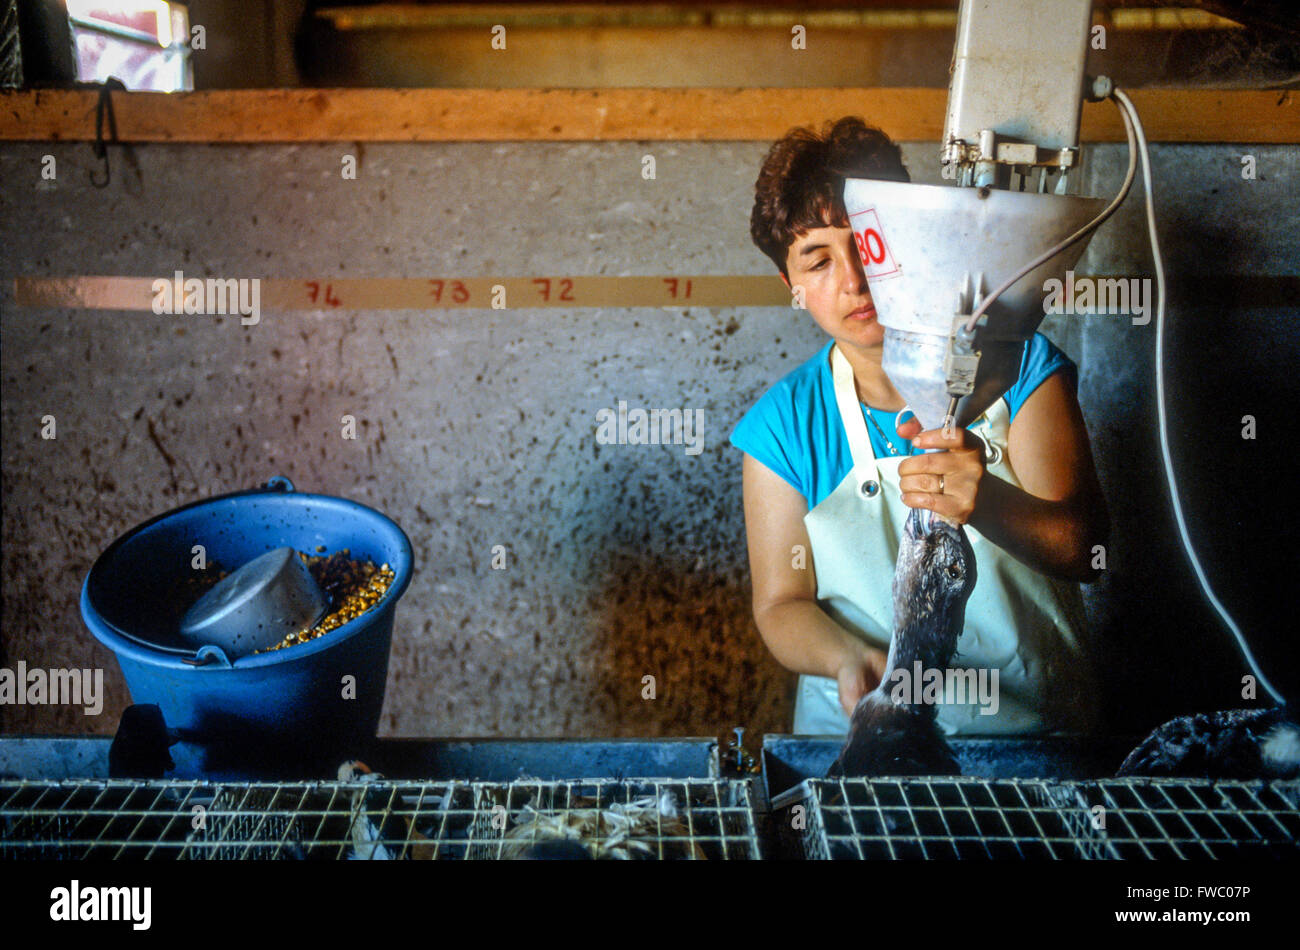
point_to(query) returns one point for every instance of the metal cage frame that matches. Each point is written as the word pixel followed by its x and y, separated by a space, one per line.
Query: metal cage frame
pixel 1107 819
pixel 380 819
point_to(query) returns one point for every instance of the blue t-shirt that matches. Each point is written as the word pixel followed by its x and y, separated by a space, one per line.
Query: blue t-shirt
pixel 795 428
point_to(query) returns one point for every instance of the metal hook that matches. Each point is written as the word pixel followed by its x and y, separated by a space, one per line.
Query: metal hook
pixel 105 104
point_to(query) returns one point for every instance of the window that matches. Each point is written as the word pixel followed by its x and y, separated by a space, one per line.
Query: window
pixel 141 42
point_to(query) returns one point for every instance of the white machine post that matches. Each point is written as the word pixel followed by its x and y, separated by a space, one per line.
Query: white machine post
pixel 1016 90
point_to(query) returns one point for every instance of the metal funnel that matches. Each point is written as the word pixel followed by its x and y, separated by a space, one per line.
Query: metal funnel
pixel 932 252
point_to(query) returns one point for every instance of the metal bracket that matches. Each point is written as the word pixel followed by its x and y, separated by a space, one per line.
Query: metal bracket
pixel 961 360
pixel 994 150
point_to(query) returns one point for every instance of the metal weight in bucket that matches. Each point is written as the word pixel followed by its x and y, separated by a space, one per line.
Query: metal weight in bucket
pixel 257 606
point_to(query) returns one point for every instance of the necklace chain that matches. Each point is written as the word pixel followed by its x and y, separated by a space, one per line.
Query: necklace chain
pixel 888 444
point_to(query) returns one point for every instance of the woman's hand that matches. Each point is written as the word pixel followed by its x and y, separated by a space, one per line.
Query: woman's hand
pixel 859 674
pixel 1055 519
pixel 946 482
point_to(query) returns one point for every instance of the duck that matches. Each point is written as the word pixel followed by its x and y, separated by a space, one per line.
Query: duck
pixel 933 579
pixel 1260 743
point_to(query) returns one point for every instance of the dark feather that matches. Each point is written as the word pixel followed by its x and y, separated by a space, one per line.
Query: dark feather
pixel 1226 744
pixel 887 739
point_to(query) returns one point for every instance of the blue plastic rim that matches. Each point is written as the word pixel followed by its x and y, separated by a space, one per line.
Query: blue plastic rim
pixel 287 707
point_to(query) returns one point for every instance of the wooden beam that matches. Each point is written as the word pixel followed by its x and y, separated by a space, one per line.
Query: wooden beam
pixel 840 14
pixel 621 114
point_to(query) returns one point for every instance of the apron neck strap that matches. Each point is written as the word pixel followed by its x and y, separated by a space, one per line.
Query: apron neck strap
pixel 855 425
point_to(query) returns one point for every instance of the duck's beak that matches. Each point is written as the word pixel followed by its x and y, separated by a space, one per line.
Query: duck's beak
pixel 917 525
pixel 922 523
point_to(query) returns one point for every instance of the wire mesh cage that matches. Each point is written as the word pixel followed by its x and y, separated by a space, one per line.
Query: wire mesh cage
pixel 378 819
pixel 655 819
pixel 1172 818
pixel 652 819
pixel 971 818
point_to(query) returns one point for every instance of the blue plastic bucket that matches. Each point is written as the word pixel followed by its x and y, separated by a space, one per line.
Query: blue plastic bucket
pixel 292 711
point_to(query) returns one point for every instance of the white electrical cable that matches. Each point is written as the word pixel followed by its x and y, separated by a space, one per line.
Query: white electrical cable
pixel 1076 236
pixel 1131 117
pixel 951 414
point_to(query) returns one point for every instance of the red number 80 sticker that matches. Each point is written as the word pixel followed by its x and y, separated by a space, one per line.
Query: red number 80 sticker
pixel 877 261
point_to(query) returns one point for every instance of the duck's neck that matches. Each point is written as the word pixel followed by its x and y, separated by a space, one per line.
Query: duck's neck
pixel 929 643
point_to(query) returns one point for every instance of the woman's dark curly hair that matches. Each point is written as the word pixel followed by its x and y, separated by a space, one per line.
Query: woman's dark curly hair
pixel 801 184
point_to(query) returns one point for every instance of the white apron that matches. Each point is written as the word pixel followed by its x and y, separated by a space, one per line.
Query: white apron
pixel 1019 622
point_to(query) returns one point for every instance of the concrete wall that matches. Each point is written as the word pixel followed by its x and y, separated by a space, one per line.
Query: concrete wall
pixel 477 427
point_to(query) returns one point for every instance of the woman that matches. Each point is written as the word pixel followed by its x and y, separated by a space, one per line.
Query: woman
pixel 822 543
